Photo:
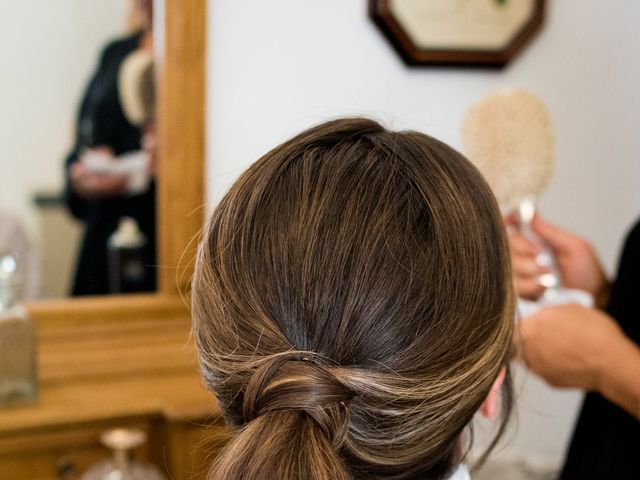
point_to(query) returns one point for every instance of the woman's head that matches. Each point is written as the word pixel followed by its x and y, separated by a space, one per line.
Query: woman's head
pixel 140 15
pixel 352 306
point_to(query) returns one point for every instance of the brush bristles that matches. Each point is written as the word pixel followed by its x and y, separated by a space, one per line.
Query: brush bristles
pixel 509 137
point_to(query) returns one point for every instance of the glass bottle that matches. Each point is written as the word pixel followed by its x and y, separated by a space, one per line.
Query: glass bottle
pixel 120 467
pixel 126 258
pixel 18 364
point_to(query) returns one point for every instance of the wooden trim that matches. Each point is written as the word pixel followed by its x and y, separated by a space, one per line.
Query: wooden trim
pixel 99 338
pixel 380 13
pixel 50 315
pixel 180 183
pixel 182 141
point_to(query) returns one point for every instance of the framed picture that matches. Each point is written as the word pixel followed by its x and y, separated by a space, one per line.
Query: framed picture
pixel 477 33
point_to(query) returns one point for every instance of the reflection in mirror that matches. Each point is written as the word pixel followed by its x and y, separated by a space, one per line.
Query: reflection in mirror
pixel 77 206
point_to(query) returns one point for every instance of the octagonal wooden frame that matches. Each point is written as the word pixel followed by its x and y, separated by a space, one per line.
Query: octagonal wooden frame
pixel 380 13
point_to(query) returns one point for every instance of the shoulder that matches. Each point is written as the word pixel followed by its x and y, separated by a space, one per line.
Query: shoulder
pixel 634 233
pixel 629 261
pixel 120 47
pixel 632 240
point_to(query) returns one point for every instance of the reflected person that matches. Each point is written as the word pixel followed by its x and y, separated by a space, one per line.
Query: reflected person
pixel 101 187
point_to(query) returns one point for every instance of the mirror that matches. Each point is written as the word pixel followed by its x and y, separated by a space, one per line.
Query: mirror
pixel 78 203
pixel 180 36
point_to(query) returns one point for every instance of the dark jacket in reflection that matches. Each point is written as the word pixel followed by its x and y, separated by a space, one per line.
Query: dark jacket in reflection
pixel 101 122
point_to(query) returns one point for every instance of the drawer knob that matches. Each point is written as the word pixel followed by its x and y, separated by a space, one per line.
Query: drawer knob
pixel 65 468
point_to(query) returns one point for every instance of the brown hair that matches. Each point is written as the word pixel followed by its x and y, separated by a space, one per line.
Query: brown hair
pixel 352 306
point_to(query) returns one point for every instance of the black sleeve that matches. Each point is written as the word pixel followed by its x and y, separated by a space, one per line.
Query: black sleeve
pixel 625 303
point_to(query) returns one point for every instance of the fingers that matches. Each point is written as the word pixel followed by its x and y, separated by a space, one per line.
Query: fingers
pixel 510 220
pixel 110 184
pixel 78 179
pixel 529 288
pixel 523 247
pixel 76 170
pixel 527 267
pixel 558 238
pixel 89 184
pixel 526 270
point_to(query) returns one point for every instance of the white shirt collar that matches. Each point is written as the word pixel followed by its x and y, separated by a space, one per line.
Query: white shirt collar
pixel 461 474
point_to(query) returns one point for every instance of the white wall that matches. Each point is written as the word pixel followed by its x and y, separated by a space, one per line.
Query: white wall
pixel 49 49
pixel 277 67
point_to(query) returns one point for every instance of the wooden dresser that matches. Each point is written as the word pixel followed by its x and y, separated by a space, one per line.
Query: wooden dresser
pixel 110 372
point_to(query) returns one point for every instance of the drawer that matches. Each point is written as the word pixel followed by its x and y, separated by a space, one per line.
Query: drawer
pixel 64 453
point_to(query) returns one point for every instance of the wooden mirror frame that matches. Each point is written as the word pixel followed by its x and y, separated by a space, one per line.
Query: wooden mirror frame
pixel 180 196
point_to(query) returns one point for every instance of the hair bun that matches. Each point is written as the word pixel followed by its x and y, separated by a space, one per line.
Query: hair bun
pixel 298 383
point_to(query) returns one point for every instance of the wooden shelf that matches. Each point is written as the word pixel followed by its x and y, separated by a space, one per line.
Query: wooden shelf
pixel 98 373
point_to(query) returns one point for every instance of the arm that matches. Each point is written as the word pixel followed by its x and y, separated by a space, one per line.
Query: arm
pixel 76 203
pixel 82 185
pixel 576 347
pixel 620 377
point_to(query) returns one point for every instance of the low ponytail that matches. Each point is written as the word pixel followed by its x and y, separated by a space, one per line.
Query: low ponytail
pixel 295 418
pixel 283 444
